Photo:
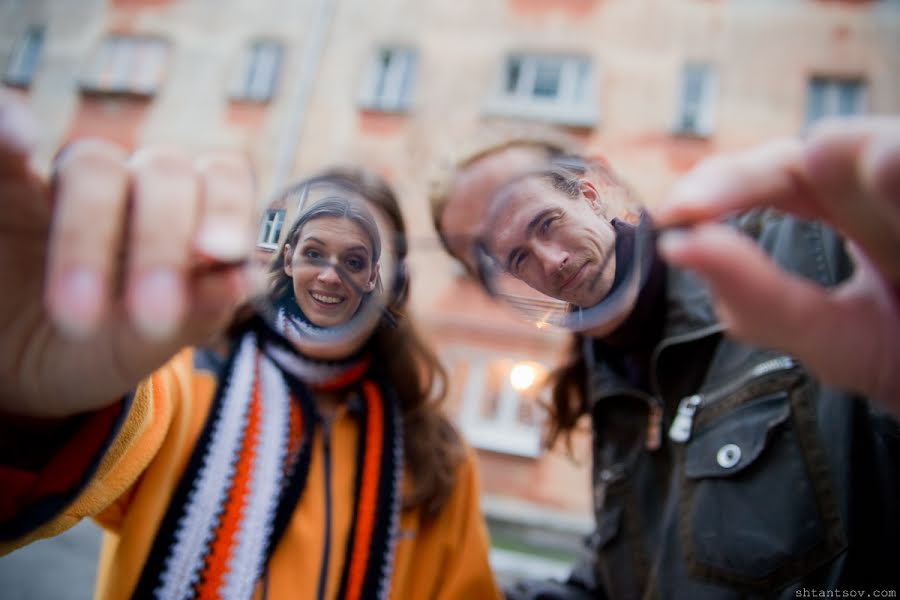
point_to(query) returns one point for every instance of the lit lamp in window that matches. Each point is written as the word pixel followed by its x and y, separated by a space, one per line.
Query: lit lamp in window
pixel 524 375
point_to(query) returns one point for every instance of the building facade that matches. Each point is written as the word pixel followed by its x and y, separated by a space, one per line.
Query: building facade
pixel 652 85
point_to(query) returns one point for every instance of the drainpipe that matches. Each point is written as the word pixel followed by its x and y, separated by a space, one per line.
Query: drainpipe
pixel 306 77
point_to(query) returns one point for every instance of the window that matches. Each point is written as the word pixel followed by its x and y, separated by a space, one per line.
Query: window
pixel 389 80
pixel 554 88
pixel 256 78
pixel 23 61
pixel 271 228
pixel 697 102
pixel 494 414
pixel 833 97
pixel 127 65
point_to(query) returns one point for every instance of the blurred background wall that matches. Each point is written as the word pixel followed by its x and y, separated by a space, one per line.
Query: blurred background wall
pixel 652 85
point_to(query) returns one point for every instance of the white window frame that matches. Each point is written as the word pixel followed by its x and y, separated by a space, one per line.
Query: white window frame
pixel 270 229
pixel 258 71
pixel 127 64
pixel 389 79
pixel 504 434
pixel 574 103
pixel 833 87
pixel 696 115
pixel 25 58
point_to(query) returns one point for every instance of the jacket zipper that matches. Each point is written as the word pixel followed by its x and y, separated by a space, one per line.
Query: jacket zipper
pixel 326 553
pixel 681 429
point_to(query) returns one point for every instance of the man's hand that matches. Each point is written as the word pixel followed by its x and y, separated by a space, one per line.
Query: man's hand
pixel 847 174
pixel 112 266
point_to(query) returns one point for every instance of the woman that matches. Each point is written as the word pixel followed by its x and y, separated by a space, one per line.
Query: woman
pixel 329 262
pixel 285 472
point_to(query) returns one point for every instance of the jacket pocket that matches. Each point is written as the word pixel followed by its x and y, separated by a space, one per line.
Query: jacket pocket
pixel 758 508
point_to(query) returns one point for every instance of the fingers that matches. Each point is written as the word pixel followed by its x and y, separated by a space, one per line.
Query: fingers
pixel 92 185
pixel 18 134
pixel 769 175
pixel 848 336
pixel 129 231
pixel 854 170
pixel 227 220
pixel 755 300
pixel 163 219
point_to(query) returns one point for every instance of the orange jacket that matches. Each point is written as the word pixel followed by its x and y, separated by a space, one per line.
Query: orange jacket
pixel 128 494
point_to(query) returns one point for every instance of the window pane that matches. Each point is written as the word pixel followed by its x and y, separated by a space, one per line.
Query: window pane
pixel 849 98
pixel 546 80
pixel 24 60
pixel 513 73
pixel 263 68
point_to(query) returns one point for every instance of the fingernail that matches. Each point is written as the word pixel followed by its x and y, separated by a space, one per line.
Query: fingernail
pixel 700 188
pixel 158 303
pixel 672 242
pixel 224 241
pixel 76 302
pixel 17 127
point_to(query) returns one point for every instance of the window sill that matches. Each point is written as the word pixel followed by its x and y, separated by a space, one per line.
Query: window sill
pixel 367 108
pixel 513 441
pixel 267 246
pixel 583 116
pixel 691 134
pixel 126 94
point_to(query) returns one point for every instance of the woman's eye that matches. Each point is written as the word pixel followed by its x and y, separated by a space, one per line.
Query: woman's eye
pixel 355 264
pixel 312 254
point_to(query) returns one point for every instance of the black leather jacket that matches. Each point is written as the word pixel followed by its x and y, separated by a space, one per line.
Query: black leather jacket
pixel 739 475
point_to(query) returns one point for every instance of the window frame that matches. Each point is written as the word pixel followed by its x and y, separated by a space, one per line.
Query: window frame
pixel 834 86
pixel 25 58
pixel 388 86
pixel 505 434
pixel 122 55
pixel 276 225
pixel 244 80
pixel 704 107
pixel 574 104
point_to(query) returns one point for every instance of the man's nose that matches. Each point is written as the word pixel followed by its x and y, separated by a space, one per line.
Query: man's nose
pixel 552 259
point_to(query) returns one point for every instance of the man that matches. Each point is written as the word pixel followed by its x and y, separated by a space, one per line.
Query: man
pixel 724 469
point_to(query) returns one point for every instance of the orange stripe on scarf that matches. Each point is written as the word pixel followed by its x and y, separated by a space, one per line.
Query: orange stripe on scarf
pixel 213 577
pixel 348 377
pixel 368 493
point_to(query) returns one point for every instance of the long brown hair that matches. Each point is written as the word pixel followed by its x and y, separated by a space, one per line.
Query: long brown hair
pixel 433 447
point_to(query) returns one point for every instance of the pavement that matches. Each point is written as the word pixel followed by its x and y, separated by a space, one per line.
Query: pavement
pixel 64 567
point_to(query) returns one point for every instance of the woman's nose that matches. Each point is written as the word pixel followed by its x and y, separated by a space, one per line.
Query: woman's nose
pixel 329 274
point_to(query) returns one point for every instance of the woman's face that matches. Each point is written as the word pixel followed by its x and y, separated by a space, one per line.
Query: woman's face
pixel 323 247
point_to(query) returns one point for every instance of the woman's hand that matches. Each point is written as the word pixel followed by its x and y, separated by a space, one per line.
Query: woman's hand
pixel 847 174
pixel 111 266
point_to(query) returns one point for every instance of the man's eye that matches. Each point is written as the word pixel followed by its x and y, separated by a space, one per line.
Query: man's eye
pixel 518 261
pixel 547 223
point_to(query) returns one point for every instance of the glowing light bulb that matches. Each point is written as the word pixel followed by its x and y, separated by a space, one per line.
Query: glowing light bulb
pixel 522 376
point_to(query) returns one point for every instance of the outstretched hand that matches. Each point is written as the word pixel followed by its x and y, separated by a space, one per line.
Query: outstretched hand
pixel 847 174
pixel 111 265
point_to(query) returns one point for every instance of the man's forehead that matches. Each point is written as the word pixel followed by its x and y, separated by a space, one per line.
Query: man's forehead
pixel 514 209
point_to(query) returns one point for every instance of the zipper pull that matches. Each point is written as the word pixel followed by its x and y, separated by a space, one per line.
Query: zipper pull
pixel 680 430
pixel 654 428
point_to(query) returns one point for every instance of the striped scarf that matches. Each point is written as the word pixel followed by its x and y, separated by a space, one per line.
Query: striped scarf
pixel 247 473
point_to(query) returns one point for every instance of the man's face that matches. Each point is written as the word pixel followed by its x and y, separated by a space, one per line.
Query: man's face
pixel 561 246
pixel 462 221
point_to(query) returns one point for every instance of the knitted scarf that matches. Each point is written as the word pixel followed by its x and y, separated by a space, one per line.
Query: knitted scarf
pixel 248 471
